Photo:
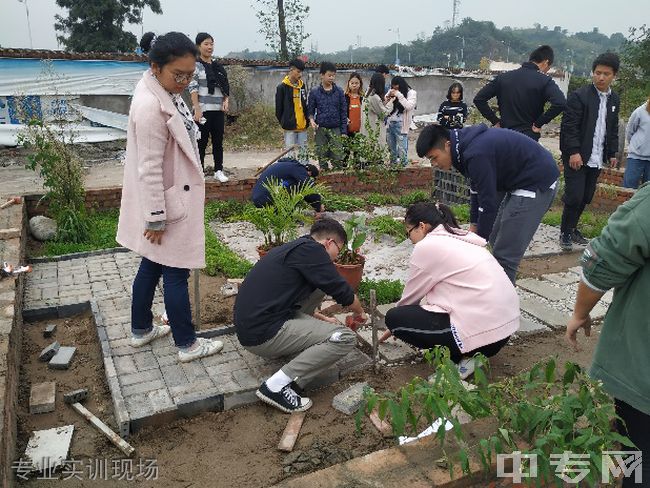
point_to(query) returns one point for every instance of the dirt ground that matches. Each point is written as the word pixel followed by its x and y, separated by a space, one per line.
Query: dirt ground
pixel 237 448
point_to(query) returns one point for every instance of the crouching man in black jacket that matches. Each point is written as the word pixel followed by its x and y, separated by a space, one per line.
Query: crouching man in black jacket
pixel 588 138
pixel 274 313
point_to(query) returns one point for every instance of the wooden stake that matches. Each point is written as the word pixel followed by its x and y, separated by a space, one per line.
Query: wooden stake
pixel 197 300
pixel 120 443
pixel 375 332
pixel 286 151
pixel 291 431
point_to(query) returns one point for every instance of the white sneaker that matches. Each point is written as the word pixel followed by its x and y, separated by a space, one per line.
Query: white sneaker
pixel 153 334
pixel 219 175
pixel 466 368
pixel 203 349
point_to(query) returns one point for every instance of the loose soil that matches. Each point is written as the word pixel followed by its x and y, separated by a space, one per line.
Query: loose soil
pixel 536 267
pixel 236 448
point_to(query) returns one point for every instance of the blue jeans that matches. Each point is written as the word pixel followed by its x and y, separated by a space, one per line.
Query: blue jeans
pixel 398 143
pixel 636 171
pixel 297 138
pixel 177 301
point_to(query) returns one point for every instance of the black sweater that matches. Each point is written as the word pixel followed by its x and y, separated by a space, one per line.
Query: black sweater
pixel 273 290
pixel 579 124
pixel 521 95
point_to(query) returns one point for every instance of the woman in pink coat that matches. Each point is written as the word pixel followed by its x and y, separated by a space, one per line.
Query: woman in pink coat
pixel 457 295
pixel 161 215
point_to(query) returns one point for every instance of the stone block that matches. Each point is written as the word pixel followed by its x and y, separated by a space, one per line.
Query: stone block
pixel 237 399
pixel 49 352
pixel 542 288
pixel 194 403
pixel 528 327
pixel 353 362
pixel 42 397
pixel 173 375
pixel 246 379
pixel 131 379
pixel 49 330
pixel 194 371
pixel 145 360
pixel 75 396
pixel 350 400
pixel 47 449
pixel 219 369
pixel 145 387
pixel 562 279
pixel 391 351
pixel 221 358
pixel 62 358
pixel 550 316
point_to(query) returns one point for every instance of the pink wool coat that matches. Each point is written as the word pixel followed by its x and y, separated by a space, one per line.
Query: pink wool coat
pixel 163 180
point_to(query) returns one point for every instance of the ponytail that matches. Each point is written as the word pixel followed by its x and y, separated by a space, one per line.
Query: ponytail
pixel 433 214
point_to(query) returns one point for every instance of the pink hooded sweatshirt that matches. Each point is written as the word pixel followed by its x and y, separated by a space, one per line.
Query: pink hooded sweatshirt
pixel 456 274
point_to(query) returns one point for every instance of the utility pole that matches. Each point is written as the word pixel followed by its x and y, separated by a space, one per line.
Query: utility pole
pixel 29 27
pixel 396 30
pixel 455 13
pixel 462 51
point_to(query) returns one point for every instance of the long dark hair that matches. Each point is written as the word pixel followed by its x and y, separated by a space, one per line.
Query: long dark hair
pixel 347 85
pixel 376 85
pixel 164 49
pixel 433 214
pixel 403 89
pixel 451 89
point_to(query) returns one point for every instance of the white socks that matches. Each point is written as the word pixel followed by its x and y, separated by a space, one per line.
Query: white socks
pixel 278 381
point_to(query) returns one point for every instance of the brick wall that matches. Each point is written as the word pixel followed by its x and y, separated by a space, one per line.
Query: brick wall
pixel 608 197
pixel 408 179
pixel 12 250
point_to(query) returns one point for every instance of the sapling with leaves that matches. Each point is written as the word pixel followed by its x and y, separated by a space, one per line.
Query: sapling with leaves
pixel 356 232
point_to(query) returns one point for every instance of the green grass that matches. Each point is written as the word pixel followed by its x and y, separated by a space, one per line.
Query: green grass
pixel 461 211
pixel 219 258
pixel 344 203
pixel 255 128
pixel 387 225
pixel 591 223
pixel 379 199
pixel 103 228
pixel 414 197
pixel 226 210
pixel 388 291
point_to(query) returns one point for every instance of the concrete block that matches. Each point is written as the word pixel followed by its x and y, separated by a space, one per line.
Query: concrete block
pixel 391 351
pixel 562 278
pixel 353 362
pixel 245 378
pixel 47 449
pixel 527 327
pixel 145 387
pixel 350 400
pixel 239 399
pixel 194 403
pixel 49 352
pixel 49 330
pixel 145 360
pixel 131 379
pixel 550 316
pixel 542 288
pixel 62 358
pixel 173 375
pixel 125 365
pixel 42 397
pixel 75 396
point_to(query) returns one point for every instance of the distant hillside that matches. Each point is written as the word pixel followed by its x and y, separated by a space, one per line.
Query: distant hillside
pixel 482 39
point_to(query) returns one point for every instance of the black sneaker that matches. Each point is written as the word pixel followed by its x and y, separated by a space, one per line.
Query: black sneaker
pixel 286 399
pixel 578 238
pixel 295 387
pixel 565 241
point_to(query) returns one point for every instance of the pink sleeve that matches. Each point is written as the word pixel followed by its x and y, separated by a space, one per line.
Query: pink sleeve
pixel 419 283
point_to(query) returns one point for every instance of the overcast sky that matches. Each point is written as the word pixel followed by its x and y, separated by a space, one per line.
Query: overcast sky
pixel 335 24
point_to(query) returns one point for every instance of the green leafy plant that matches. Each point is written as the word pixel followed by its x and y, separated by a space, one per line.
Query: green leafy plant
pixel 379 199
pixel 54 160
pixel 539 412
pixel 254 128
pixel 219 258
pixel 344 203
pixel 227 210
pixel 279 220
pixel 461 212
pixel 387 291
pixel 387 225
pixel 356 232
pixel 415 196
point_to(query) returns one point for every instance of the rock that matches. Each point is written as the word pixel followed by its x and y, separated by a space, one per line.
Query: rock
pixel 42 228
pixel 49 352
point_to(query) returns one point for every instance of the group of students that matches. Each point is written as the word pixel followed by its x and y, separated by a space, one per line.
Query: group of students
pixel 334 112
pixel 458 294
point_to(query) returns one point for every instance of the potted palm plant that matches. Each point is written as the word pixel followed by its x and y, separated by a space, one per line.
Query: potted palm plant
pixel 279 220
pixel 350 262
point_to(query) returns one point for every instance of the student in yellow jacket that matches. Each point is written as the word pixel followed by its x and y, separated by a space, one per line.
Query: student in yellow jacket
pixel 291 108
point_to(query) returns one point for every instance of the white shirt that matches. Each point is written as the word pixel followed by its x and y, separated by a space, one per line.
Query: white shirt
pixel 596 158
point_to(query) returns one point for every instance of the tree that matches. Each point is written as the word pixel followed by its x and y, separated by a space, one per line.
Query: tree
pixel 634 76
pixel 97 25
pixel 282 25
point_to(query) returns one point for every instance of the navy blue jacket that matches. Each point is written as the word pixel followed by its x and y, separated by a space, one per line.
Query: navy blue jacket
pixel 328 108
pixel 290 173
pixel 273 290
pixel 499 160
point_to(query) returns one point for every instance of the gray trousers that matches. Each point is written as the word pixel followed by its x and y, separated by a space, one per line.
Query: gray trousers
pixel 515 225
pixel 328 145
pixel 318 344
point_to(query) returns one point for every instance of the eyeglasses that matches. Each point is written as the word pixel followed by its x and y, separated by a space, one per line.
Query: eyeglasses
pixel 182 78
pixel 408 232
pixel 338 248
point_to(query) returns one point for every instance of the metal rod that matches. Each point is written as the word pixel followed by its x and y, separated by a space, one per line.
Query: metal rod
pixel 375 332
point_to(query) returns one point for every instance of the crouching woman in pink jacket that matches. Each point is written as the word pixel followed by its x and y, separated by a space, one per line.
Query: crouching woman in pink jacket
pixel 457 295
pixel 161 214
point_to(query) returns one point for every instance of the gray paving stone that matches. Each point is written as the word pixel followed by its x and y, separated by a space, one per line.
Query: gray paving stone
pixel 562 278
pixel 42 397
pixel 125 365
pixel 528 327
pixel 194 371
pixel 550 316
pixel 355 361
pixel 349 400
pixel 245 379
pixel 239 399
pixel 219 369
pixel 109 367
pixel 49 330
pixel 221 358
pixel 174 375
pixel 62 358
pixel 179 393
pixel 49 352
pixel 391 351
pixel 168 360
pixel 143 405
pixel 542 288
pixel 145 360
pixel 143 387
pixel 131 379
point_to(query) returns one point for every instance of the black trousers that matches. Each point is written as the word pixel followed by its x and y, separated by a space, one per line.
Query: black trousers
pixel 213 128
pixel 637 429
pixel 579 189
pixel 425 330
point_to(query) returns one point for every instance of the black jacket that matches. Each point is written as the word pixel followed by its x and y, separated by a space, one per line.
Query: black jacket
pixel 221 78
pixel 521 95
pixel 579 124
pixel 448 114
pixel 284 108
pixel 290 173
pixel 273 290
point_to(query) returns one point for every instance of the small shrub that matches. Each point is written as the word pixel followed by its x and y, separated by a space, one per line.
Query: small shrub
pixel 592 224
pixel 226 210
pixel 461 211
pixel 387 291
pixel 414 197
pixel 387 225
pixel 344 203
pixel 379 199
pixel 255 127
pixel 552 217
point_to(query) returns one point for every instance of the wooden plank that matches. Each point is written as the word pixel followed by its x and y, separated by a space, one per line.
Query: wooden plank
pixel 120 443
pixel 382 426
pixel 291 432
